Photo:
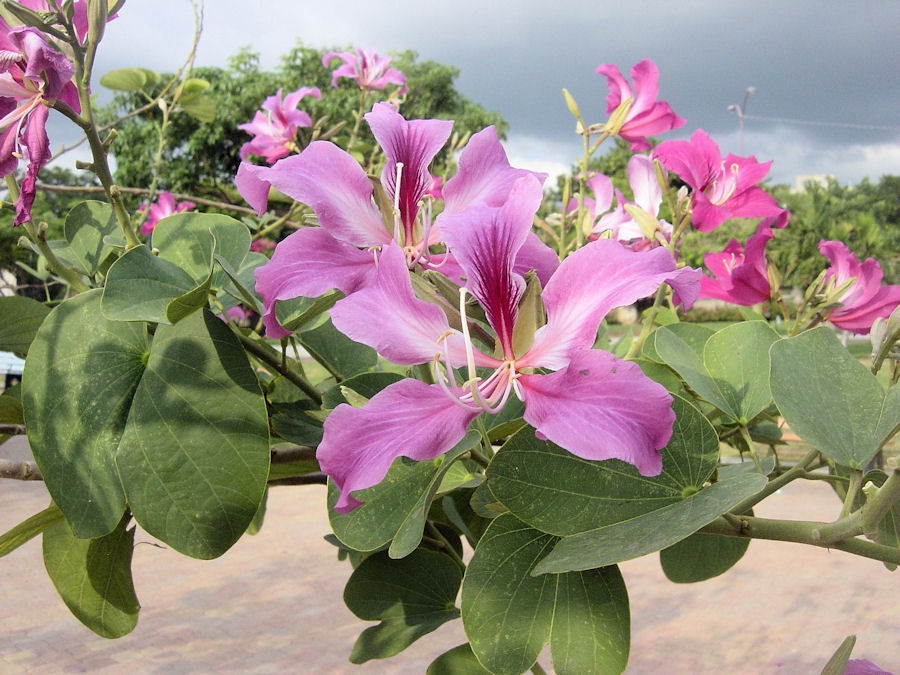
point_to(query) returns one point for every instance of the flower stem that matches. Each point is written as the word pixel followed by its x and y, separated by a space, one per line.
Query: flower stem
pixel 272 358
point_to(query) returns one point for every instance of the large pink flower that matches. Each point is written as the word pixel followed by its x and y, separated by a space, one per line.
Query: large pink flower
pixel 741 275
pixel 594 404
pixel 645 116
pixel 866 299
pixel 275 130
pixel 369 70
pixel 722 188
pixel 33 77
pixel 164 207
pixel 342 252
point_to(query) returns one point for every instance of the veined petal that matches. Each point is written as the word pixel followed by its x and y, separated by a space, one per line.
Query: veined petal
pixel 388 317
pixel 645 76
pixel 646 189
pixel 409 418
pixel 536 255
pixel 309 263
pixel 619 89
pixel 37 146
pixel 592 281
pixel 252 186
pixel 485 241
pixel 600 407
pixel 484 176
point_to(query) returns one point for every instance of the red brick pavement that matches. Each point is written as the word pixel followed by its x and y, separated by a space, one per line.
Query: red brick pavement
pixel 273 605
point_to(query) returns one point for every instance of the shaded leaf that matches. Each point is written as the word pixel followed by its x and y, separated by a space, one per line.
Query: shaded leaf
pixel 21 319
pixel 86 226
pixel 458 661
pixel 340 355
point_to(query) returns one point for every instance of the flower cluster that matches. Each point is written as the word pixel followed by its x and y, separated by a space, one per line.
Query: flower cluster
pixel 164 207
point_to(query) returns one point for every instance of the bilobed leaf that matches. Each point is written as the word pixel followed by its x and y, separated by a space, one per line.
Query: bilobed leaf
pixel 410 597
pixel 125 79
pixel 86 226
pixel 556 492
pixel 831 400
pixel 93 577
pixel 21 319
pixel 194 457
pixel 509 614
pixel 340 355
pixel 81 373
pixel 692 334
pixel 29 528
pixel 191 240
pixel 141 286
pixel 683 358
pixel 395 509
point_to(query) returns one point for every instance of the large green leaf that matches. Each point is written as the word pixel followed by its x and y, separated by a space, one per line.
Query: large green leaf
pixel 694 335
pixel 396 508
pixel 701 557
pixel 831 400
pixel 126 79
pixel 509 614
pixel 194 457
pixel 29 528
pixel 410 597
pixel 86 226
pixel 651 531
pixel 93 577
pixel 457 661
pixel 190 240
pixel 21 319
pixel 340 355
pixel 143 287
pixel 556 492
pixel 297 312
pixel 81 373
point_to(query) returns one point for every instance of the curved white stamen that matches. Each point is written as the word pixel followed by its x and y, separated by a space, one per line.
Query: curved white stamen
pixel 397 202
pixel 470 352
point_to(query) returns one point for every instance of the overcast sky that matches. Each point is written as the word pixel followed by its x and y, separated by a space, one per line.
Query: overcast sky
pixel 833 65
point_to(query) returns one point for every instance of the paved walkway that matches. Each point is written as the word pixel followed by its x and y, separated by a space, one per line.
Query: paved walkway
pixel 273 605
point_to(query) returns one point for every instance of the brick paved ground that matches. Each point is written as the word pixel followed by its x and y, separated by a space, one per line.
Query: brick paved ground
pixel 273 605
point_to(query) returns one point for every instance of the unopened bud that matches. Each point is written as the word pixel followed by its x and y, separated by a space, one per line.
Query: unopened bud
pixel 617 119
pixel 573 107
pixel 648 224
pixel 97 14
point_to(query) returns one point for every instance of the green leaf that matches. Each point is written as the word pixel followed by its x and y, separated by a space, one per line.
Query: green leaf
pixel 831 400
pixel 191 240
pixel 410 597
pixel 93 577
pixel 837 664
pixel 661 374
pixel 194 85
pixel 509 614
pixel 188 303
pixel 256 524
pixel 141 287
pixel 737 359
pixel 125 79
pixel 28 529
pixel 86 226
pixel 652 531
pixel 340 355
pixel 692 334
pixel 21 319
pixel 291 421
pixel 242 280
pixel 367 385
pixel 701 557
pixel 11 411
pixel 297 312
pixel 458 661
pixel 198 106
pixel 194 457
pixel 556 492
pixel 81 373
pixel 485 504
pixel 395 509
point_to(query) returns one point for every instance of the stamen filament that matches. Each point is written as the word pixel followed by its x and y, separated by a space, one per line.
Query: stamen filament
pixel 397 202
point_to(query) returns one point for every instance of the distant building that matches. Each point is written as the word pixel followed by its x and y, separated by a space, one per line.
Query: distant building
pixel 817 178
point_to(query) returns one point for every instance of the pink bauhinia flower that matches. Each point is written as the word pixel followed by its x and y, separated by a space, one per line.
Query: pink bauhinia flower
pixel 741 275
pixel 33 77
pixel 863 667
pixel 722 188
pixel 594 404
pixel 275 130
pixel 342 252
pixel 865 299
pixel 369 70
pixel 164 207
pixel 645 115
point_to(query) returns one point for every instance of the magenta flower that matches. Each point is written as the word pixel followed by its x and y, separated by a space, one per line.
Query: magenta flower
pixel 866 299
pixel 594 405
pixel 863 667
pixel 645 115
pixel 163 208
pixel 741 275
pixel 339 253
pixel 275 130
pixel 722 188
pixel 33 77
pixel 369 70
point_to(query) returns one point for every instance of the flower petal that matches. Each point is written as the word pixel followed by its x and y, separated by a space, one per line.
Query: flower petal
pixel 409 418
pixel 592 281
pixel 309 263
pixel 600 407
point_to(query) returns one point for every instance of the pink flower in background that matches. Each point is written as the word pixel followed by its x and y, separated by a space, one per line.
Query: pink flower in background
pixel 866 299
pixel 342 251
pixel 33 76
pixel 593 404
pixel 275 130
pixel 722 188
pixel 369 70
pixel 262 245
pixel 165 206
pixel 741 275
pixel 645 116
